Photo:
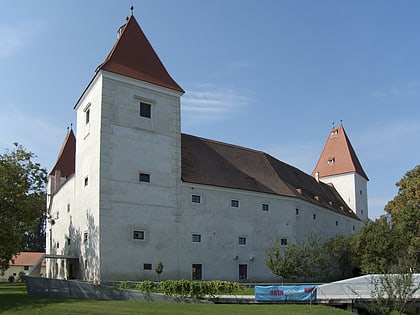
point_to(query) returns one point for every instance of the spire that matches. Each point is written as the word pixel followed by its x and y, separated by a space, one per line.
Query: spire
pixel 66 158
pixel 338 156
pixel 133 56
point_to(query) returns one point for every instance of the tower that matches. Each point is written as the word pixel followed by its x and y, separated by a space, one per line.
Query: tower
pixel 128 159
pixel 338 165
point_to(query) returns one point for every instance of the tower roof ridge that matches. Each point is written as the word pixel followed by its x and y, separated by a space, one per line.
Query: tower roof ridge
pixel 133 56
pixel 338 156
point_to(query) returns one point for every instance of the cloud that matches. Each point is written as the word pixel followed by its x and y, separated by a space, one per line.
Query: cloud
pixel 32 131
pixel 389 138
pixel 15 38
pixel 207 103
pixel 408 89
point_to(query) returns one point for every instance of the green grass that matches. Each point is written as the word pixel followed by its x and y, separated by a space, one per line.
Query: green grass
pixel 15 300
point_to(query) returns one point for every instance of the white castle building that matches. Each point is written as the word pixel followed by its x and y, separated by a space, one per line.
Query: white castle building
pixel 129 190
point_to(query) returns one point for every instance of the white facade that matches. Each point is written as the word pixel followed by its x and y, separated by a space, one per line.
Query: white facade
pixel 126 208
pixel 353 189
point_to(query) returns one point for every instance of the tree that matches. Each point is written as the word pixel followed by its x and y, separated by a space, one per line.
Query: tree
pixel 376 247
pixel 309 260
pixel 405 216
pixel 22 199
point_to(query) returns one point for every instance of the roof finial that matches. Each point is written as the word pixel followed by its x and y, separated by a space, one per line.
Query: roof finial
pixel 71 126
pixel 67 128
pixel 132 10
pixel 333 124
pixel 341 122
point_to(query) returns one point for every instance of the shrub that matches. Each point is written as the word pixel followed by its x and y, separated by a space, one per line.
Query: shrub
pixel 11 279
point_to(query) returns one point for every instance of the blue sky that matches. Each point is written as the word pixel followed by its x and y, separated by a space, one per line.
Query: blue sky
pixel 270 75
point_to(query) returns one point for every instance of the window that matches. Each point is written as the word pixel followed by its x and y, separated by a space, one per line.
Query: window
pixel 86 181
pixel 196 198
pixel 58 244
pixel 86 263
pixel 336 223
pixel 138 235
pixel 85 237
pixel 68 207
pixel 242 240
pixel 354 228
pixel 87 116
pixel 25 267
pixel 314 216
pixel 297 211
pixel 145 178
pixel 145 110
pixel 147 266
pixel 196 238
pixel 265 207
pixel 234 203
pixel 331 161
pixel 68 241
pixel 283 242
pixel 243 271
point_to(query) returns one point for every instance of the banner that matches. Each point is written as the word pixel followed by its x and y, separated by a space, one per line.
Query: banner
pixel 299 293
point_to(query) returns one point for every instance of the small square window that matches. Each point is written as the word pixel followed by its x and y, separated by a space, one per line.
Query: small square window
pixel 147 266
pixel 145 110
pixel 86 180
pixel 283 241
pixel 85 237
pixel 196 238
pixel 25 267
pixel 145 178
pixel 242 240
pixel 234 203
pixel 265 207
pixel 138 235
pixel 196 198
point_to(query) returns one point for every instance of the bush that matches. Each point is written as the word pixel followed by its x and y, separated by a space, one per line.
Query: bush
pixel 11 279
pixel 125 285
pixel 186 288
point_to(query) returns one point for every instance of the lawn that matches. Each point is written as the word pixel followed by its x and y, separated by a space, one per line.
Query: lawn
pixel 15 300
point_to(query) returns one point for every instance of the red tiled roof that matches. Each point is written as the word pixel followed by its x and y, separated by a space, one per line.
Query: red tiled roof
pixel 67 156
pixel 133 56
pixel 338 156
pixel 220 164
pixel 27 259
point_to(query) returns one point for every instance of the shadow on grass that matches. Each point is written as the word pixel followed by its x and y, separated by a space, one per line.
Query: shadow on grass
pixel 13 296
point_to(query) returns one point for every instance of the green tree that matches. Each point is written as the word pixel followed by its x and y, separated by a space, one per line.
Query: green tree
pixel 309 260
pixel 405 216
pixel 22 199
pixel 375 246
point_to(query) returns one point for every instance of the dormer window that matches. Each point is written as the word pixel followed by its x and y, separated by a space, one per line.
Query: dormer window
pixel 331 161
pixel 334 133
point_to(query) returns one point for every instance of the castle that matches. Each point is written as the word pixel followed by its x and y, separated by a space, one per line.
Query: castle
pixel 130 191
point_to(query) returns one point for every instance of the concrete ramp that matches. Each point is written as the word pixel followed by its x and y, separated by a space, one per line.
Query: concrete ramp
pixel 359 288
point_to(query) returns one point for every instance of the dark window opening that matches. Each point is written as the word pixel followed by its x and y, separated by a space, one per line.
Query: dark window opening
pixel 145 110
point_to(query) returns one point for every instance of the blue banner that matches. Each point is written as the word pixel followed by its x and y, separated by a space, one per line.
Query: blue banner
pixel 298 293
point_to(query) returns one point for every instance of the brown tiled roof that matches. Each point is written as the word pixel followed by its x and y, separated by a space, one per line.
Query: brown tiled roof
pixel 338 156
pixel 133 56
pixel 67 156
pixel 220 164
pixel 27 259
